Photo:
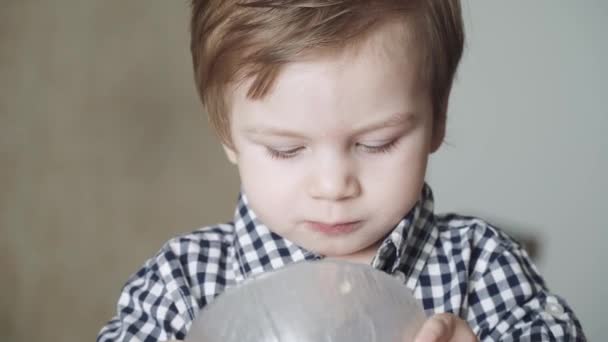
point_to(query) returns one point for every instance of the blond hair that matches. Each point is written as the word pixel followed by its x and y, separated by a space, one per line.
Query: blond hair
pixel 234 40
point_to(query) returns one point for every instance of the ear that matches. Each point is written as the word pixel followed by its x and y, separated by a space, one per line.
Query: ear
pixel 231 154
pixel 439 127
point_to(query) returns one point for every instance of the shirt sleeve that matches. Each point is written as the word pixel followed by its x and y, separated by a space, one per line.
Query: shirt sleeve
pixel 154 305
pixel 510 302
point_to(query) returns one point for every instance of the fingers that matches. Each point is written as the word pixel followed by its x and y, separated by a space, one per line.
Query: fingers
pixel 438 328
pixel 445 327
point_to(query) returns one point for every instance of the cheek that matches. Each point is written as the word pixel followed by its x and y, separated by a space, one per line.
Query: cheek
pixel 407 160
pixel 397 177
pixel 266 179
pixel 272 190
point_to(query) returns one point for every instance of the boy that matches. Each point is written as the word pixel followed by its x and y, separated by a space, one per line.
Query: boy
pixel 330 110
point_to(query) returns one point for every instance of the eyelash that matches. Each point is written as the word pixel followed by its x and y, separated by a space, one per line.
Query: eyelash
pixel 386 148
pixel 276 154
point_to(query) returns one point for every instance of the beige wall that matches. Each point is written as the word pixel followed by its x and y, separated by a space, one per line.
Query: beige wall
pixel 104 154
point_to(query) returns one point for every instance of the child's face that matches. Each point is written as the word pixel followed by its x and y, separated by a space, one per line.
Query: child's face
pixel 336 154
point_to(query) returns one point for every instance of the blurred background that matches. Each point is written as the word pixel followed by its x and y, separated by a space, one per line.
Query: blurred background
pixel 105 152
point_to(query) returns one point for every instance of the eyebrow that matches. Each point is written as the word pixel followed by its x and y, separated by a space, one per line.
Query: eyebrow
pixel 394 120
pixel 273 131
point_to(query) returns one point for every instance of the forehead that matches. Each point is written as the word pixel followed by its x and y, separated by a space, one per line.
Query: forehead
pixel 378 75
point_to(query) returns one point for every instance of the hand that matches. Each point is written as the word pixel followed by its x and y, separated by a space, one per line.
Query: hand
pixel 445 327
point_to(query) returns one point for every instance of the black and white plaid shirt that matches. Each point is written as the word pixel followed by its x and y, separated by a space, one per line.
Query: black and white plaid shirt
pixel 451 263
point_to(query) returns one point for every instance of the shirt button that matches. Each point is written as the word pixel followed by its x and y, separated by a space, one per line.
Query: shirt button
pixel 554 309
pixel 399 276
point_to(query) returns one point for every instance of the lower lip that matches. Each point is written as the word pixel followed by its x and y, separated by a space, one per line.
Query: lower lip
pixel 333 229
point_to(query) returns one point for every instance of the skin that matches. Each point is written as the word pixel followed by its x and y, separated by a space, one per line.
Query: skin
pixel 341 137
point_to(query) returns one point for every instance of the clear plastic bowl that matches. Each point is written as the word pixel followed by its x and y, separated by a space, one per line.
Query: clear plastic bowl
pixel 320 301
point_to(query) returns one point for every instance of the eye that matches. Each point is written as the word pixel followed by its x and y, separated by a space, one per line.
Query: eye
pixel 382 148
pixel 283 153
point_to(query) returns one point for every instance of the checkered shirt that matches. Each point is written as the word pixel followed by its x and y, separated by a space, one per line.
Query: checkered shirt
pixel 451 263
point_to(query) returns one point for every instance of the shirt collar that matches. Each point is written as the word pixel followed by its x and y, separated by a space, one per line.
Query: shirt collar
pixel 405 245
pixel 418 240
pixel 257 249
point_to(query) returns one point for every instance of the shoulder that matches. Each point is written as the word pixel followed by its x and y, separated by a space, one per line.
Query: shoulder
pixel 189 261
pixel 159 301
pixel 506 296
pixel 200 251
pixel 193 267
pixel 486 256
pixel 206 239
pixel 468 232
pixel 478 248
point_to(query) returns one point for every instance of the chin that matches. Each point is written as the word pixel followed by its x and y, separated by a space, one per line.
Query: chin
pixel 341 251
pixel 328 251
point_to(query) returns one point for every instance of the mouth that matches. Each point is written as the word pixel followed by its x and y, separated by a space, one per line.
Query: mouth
pixel 333 228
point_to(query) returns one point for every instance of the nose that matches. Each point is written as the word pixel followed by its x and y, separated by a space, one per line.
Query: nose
pixel 334 179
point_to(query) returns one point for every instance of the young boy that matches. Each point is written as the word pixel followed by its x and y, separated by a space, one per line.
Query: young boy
pixel 330 110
